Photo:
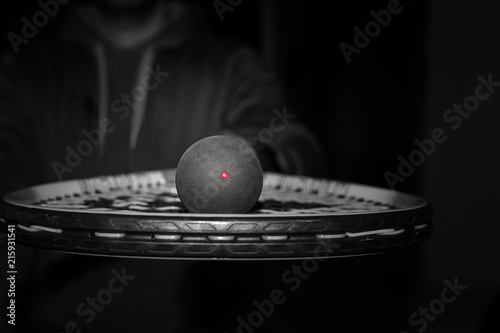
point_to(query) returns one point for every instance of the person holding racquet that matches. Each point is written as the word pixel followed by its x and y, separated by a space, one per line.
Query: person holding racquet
pixel 125 86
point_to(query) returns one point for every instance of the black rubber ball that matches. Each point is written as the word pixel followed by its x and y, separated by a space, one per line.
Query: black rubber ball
pixel 220 175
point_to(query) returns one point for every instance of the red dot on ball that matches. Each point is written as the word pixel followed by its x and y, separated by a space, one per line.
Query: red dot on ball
pixel 224 174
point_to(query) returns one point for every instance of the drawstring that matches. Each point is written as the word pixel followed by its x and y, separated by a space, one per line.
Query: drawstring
pixel 102 72
pixel 139 93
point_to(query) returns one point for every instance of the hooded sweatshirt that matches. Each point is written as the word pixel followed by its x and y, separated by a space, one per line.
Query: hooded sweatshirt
pixel 76 106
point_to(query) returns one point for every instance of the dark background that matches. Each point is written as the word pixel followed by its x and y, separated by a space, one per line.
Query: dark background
pixel 365 114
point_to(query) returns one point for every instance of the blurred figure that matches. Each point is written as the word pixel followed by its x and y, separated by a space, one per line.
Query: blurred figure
pixel 129 85
pixel 140 80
